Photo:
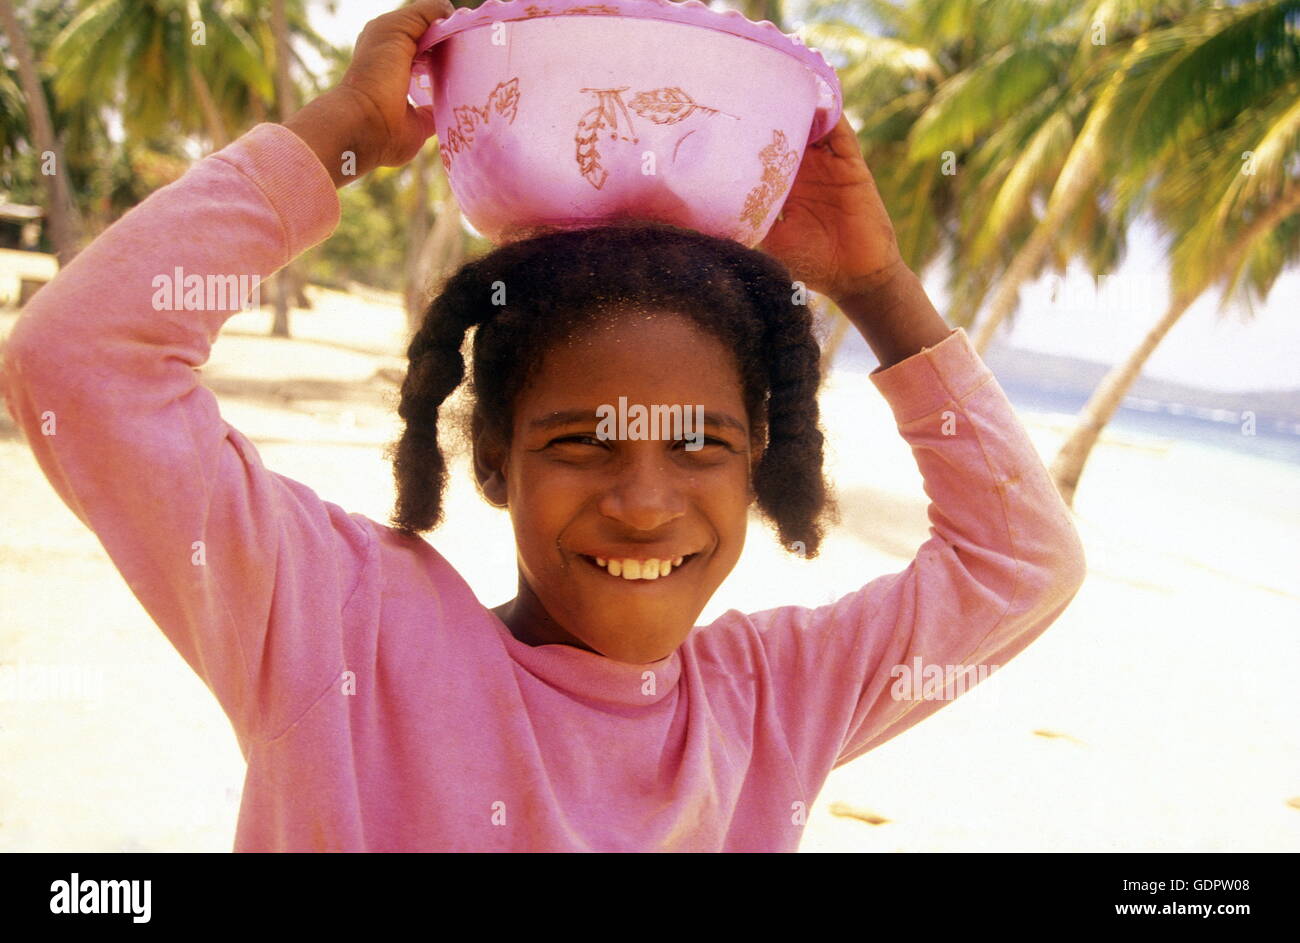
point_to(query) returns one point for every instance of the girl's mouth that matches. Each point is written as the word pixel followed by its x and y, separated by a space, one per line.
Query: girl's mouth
pixel 634 570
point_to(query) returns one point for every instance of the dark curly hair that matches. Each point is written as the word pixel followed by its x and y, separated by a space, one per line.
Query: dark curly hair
pixel 555 283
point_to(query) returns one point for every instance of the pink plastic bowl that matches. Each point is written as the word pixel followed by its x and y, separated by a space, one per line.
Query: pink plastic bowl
pixel 557 115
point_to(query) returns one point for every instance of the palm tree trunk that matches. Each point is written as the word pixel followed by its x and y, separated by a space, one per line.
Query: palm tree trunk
pixel 65 224
pixel 1075 180
pixel 1067 467
pixel 416 236
pixel 442 253
pixel 447 242
pixel 1027 260
pixel 284 107
pixel 217 136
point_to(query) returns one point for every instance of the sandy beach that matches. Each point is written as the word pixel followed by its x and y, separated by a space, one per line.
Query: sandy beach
pixel 1158 714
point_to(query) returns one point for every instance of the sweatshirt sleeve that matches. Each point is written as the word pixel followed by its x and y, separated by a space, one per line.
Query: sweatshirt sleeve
pixel 1002 562
pixel 244 570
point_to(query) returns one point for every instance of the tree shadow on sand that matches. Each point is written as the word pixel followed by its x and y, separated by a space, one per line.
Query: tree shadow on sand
pixel 380 391
pixel 282 393
pixel 369 350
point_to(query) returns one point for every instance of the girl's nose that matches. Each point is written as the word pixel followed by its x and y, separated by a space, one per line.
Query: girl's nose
pixel 646 495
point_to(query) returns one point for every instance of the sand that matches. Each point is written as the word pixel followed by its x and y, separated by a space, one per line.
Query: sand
pixel 1158 713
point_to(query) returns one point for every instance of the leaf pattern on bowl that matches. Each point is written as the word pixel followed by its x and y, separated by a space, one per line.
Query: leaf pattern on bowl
pixel 503 100
pixel 610 113
pixel 779 161
pixel 662 106
pixel 667 105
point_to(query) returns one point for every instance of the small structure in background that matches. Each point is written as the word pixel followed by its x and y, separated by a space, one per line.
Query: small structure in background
pixel 23 268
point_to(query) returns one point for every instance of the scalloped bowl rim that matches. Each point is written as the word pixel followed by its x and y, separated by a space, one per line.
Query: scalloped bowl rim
pixel 731 22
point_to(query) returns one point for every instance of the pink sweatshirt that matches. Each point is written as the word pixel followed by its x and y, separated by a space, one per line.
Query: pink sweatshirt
pixel 379 705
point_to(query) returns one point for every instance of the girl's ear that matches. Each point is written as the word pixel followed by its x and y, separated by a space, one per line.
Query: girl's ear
pixel 489 468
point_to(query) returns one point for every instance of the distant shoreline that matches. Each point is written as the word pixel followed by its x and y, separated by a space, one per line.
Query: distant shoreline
pixel 1051 385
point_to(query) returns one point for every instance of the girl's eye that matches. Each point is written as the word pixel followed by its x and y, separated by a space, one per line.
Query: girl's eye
pixel 578 440
pixel 708 441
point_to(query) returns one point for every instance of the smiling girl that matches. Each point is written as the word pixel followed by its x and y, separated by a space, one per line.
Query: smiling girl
pixel 379 705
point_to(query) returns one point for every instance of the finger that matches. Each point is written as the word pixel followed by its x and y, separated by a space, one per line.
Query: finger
pixel 417 126
pixel 408 137
pixel 413 19
pixel 842 138
pixel 406 24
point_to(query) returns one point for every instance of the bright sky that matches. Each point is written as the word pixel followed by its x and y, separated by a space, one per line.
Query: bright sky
pixel 1203 349
pixel 1228 351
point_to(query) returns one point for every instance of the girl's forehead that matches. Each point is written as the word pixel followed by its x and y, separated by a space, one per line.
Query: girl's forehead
pixel 642 333
pixel 651 361
pixel 676 353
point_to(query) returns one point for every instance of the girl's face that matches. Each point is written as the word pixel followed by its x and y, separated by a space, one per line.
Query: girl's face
pixel 575 498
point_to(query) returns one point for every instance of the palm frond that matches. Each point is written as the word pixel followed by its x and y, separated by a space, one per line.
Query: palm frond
pixel 892 57
pixel 88 53
pixel 1268 163
pixel 1204 70
pixel 970 103
pixel 1045 151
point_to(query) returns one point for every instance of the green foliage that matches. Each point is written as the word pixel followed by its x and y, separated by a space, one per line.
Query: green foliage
pixel 370 243
pixel 978 99
pixel 1207 129
pixel 1017 96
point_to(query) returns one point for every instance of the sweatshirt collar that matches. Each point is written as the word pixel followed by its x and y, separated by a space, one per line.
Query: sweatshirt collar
pixel 589 676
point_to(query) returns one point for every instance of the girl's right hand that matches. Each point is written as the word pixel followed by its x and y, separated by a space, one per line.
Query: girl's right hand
pixel 367 114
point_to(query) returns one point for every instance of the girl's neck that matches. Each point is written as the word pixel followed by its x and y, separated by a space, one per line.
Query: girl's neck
pixel 530 623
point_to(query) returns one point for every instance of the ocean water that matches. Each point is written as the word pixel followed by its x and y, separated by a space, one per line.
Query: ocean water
pixel 1273 439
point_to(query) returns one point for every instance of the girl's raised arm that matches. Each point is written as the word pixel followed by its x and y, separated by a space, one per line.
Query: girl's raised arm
pixel 1003 562
pixel 1004 558
pixel 239 566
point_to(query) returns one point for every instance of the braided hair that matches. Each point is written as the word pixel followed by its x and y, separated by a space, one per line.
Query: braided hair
pixel 527 295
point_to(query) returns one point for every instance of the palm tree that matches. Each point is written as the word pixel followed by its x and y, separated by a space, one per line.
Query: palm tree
pixel 966 109
pixel 1208 122
pixel 1265 236
pixel 65 223
pixel 417 232
pixel 1015 114
pixel 1076 181
pixel 434 251
pixel 145 58
pixel 206 68
pixel 106 176
pixel 1131 26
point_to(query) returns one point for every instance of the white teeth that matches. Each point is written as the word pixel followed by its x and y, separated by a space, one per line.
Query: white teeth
pixel 650 569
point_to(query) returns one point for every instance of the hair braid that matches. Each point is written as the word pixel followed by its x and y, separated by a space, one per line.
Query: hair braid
pixel 436 368
pixel 789 481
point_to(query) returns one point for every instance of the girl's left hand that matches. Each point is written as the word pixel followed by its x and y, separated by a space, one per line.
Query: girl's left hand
pixel 835 235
